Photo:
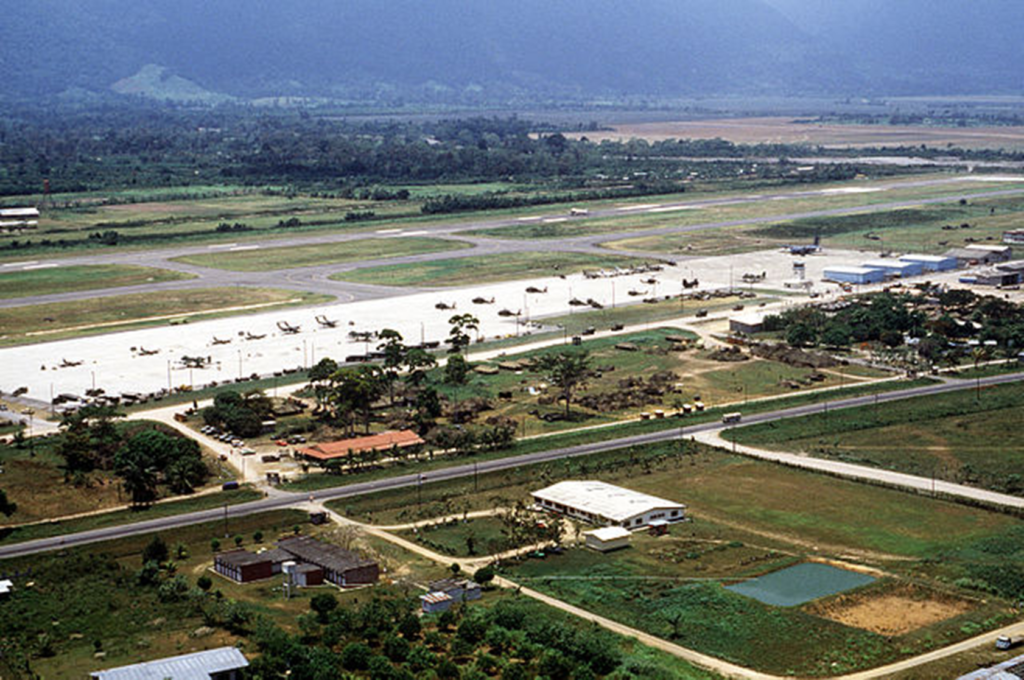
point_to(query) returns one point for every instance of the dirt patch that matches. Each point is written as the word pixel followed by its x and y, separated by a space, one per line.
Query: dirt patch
pixel 891 613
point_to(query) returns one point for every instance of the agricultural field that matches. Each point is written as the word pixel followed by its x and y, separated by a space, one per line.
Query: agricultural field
pixel 782 130
pixel 81 277
pixel 466 271
pixel 941 569
pixel 60 320
pixel 957 437
pixel 269 259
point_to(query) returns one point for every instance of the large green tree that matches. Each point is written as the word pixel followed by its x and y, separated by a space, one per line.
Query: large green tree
pixel 357 389
pixel 566 370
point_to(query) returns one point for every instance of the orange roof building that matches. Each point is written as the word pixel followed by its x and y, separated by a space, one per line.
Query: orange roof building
pixel 384 441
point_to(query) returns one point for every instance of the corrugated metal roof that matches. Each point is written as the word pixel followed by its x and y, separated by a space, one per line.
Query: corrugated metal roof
pixel 195 666
pixel 603 499
pixel 322 554
pixel 435 598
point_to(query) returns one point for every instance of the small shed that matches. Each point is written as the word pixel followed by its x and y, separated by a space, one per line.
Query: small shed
pixel 435 602
pixel 607 539
pixel 931 263
pixel 855 275
pixel 747 323
pixel 459 589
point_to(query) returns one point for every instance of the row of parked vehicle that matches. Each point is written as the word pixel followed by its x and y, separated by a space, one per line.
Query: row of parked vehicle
pixel 218 434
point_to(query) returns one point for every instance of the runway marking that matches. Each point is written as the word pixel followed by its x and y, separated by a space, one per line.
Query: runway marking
pixel 421 232
pixel 222 245
pixel 850 190
pixel 553 220
pixel 388 231
pixel 240 248
pixel 39 266
pixel 672 208
pixel 21 264
pixel 644 206
pixel 526 219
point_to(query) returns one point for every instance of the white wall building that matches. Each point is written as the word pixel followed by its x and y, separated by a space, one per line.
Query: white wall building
pixel 606 504
pixel 607 539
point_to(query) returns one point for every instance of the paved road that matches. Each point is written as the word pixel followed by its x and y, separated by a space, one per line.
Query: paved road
pixel 315 279
pixel 284 500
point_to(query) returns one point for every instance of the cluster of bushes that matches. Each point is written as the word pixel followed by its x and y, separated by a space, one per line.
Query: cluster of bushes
pixel 144 457
pixel 451 203
pixel 225 228
pixel 239 414
pixel 384 639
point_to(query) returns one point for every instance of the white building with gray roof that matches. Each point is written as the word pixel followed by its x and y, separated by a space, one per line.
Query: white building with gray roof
pixel 606 504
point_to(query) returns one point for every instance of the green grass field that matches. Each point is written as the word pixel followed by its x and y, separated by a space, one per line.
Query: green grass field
pixel 749 517
pixel 269 259
pixel 482 534
pixel 60 320
pixel 482 269
pixel 917 229
pixel 81 277
pixel 956 436
pixel 120 517
pixel 750 210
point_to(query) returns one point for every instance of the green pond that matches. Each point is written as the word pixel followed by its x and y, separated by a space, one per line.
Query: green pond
pixel 801 583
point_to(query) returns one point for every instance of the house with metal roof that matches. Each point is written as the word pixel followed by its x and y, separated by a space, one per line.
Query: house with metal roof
pixel 606 504
pixel 243 566
pixel 385 441
pixel 223 663
pixel 341 567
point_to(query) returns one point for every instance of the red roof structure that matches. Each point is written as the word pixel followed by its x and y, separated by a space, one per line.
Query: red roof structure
pixel 384 441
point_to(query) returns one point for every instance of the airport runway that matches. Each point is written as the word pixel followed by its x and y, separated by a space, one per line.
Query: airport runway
pixel 315 279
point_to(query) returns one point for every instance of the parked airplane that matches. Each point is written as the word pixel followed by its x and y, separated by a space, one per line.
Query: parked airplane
pixel 69 364
pixel 218 341
pixel 148 352
pixel 325 322
pixel 287 327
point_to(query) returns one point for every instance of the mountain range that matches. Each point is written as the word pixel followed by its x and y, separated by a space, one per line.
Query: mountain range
pixel 529 50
